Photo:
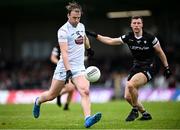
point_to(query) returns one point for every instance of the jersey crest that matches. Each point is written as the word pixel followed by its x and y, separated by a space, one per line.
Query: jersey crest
pixel 79 40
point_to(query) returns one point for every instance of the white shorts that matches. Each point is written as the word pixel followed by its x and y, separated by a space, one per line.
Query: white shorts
pixel 61 75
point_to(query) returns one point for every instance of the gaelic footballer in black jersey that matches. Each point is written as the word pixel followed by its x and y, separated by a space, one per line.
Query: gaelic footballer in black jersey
pixel 143 53
pixel 143 47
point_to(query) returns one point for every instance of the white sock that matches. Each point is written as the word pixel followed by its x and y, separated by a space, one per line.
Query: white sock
pixel 37 102
pixel 87 116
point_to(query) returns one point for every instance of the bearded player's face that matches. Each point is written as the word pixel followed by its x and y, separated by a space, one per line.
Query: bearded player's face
pixel 74 17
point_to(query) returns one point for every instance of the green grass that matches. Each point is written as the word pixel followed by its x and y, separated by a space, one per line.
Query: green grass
pixel 166 115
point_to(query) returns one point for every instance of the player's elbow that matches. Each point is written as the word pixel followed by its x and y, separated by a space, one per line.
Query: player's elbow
pixel 53 59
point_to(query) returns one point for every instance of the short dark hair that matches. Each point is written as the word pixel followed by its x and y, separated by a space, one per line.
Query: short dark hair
pixel 73 6
pixel 137 17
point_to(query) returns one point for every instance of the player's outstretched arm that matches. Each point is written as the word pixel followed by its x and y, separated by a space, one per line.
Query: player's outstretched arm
pixel 104 39
pixel 54 58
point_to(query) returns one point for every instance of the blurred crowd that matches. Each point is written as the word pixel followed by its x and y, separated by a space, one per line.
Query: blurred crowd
pixel 31 74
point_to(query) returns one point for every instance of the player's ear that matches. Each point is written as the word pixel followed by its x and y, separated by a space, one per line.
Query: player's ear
pixel 130 25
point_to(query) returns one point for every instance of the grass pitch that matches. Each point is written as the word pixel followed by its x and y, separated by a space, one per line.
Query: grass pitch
pixel 166 115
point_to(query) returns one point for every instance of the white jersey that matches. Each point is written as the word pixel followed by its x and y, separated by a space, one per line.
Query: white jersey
pixel 74 37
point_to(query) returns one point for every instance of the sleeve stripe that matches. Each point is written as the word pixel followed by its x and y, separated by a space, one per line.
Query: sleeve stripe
pixel 154 41
pixel 120 39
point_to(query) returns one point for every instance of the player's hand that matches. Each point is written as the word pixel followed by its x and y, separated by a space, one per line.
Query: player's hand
pixel 90 52
pixel 92 34
pixel 167 72
pixel 68 76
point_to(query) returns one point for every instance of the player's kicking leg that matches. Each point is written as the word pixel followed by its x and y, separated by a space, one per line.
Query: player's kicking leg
pixel 83 87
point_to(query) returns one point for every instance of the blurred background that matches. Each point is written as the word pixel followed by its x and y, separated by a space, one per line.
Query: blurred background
pixel 28 32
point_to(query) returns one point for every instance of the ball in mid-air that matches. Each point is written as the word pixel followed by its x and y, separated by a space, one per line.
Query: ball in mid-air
pixel 92 73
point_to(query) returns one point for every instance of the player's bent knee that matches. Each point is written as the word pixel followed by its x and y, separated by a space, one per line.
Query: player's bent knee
pixel 127 97
pixel 130 86
pixel 84 92
pixel 71 89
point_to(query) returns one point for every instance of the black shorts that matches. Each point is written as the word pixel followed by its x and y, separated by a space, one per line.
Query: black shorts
pixel 147 70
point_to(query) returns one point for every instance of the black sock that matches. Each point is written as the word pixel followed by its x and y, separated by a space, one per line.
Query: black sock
pixel 59 100
pixel 135 108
